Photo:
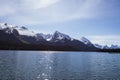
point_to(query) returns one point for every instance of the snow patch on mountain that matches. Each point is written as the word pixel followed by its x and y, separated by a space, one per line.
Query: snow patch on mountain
pixel 25 32
pixel 60 36
pixel 98 46
pixel 107 47
pixel 2 26
pixel 86 41
pixel 47 37
pixel 21 30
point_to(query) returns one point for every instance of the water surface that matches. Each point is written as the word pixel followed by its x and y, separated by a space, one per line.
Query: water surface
pixel 48 65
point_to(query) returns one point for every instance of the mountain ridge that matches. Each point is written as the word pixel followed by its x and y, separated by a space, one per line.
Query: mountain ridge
pixel 14 37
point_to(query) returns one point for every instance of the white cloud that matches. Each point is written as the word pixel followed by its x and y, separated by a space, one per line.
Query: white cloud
pixel 50 11
pixel 37 4
pixel 105 39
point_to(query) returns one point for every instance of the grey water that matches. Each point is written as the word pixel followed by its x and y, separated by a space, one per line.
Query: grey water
pixel 50 65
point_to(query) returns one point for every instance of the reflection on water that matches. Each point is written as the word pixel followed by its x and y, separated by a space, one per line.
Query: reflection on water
pixel 36 65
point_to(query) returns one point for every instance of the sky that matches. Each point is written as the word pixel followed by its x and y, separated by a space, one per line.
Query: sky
pixel 97 20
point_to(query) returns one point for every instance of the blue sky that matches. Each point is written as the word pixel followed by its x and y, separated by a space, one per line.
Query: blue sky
pixel 97 20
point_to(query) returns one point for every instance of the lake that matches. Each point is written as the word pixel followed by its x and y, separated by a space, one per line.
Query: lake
pixel 50 65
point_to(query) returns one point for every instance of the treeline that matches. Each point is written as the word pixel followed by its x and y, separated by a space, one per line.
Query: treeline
pixel 109 50
pixel 44 47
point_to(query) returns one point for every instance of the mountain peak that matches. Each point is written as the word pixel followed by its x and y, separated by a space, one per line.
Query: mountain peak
pixel 47 37
pixel 57 36
pixel 24 28
pixel 57 32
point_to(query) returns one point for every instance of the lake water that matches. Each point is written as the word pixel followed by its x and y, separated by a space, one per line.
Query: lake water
pixel 48 65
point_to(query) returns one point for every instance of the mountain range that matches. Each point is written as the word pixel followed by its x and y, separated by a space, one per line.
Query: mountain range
pixel 21 38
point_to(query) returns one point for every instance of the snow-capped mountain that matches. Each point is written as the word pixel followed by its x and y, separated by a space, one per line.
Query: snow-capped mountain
pixel 21 33
pixel 47 37
pixel 21 30
pixel 107 47
pixel 86 41
pixel 15 37
pixel 7 28
pixel 3 26
pixel 58 36
pixel 114 46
